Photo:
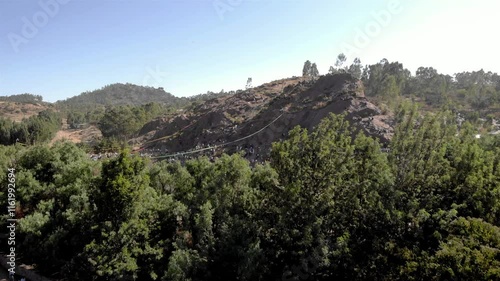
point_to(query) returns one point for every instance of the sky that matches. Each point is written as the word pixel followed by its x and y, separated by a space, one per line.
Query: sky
pixel 61 48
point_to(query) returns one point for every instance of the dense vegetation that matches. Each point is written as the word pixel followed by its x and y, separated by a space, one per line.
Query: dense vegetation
pixel 24 98
pixel 327 207
pixel 35 129
pixel 78 119
pixel 123 122
pixel 212 95
pixel 120 94
pixel 477 93
pixel 120 110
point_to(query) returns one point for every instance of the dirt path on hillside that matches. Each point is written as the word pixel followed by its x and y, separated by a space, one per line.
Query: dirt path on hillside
pixel 77 135
pixel 66 135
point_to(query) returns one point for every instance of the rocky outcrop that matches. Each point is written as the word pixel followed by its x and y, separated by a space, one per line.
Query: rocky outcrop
pixel 278 107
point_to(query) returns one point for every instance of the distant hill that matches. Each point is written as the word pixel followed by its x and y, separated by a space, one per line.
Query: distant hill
pixel 121 94
pixel 23 98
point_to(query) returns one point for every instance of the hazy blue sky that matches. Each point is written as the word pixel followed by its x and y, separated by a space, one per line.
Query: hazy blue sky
pixel 60 48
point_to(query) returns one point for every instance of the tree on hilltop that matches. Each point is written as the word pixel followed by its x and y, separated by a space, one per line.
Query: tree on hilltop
pixel 314 70
pixel 307 68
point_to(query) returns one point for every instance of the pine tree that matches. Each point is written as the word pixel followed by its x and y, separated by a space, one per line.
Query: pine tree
pixel 306 70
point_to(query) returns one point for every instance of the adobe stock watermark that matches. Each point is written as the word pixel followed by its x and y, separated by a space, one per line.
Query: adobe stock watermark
pixel 221 7
pixel 11 220
pixel 154 77
pixel 31 26
pixel 363 36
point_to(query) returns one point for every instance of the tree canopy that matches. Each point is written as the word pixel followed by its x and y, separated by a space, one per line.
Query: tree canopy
pixel 330 205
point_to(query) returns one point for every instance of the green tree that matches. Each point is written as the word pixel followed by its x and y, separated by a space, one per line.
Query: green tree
pixel 124 209
pixel 341 59
pixel 306 70
pixel 469 253
pixel 54 202
pixel 355 68
pixel 314 70
pixel 75 119
pixel 390 91
pixel 6 127
pixel 331 70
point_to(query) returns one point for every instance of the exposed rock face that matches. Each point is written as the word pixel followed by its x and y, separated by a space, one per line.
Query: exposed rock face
pixel 290 102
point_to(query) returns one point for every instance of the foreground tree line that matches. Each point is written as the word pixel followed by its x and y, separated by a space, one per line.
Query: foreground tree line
pixel 327 207
pixel 35 129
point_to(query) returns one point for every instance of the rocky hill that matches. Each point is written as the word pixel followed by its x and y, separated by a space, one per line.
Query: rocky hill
pixel 250 121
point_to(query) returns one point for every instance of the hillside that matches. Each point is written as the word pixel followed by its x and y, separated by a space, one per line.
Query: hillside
pixel 86 135
pixel 274 108
pixel 121 94
pixel 23 98
pixel 124 111
pixel 17 111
